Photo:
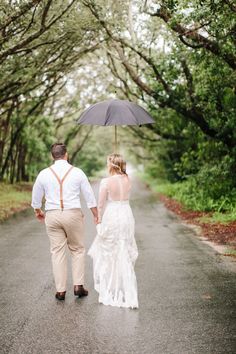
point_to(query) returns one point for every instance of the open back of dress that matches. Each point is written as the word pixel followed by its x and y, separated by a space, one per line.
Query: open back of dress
pixel 118 188
pixel 112 189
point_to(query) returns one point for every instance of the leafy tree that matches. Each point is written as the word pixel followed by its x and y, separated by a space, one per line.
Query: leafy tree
pixel 40 43
pixel 180 59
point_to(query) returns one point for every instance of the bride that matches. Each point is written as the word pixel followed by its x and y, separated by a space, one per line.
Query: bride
pixel 114 250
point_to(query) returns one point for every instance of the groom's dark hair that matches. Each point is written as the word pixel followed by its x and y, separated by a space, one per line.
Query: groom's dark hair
pixel 58 150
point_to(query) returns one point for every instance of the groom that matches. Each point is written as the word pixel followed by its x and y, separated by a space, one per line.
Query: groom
pixel 61 185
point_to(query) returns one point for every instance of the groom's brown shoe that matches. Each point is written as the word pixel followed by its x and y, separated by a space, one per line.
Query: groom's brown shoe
pixel 60 295
pixel 80 291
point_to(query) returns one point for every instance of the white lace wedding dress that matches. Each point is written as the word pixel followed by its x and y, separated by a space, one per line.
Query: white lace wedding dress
pixel 114 250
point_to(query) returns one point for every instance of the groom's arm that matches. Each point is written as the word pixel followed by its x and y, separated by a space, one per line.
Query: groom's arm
pixel 37 196
pixel 89 196
pixel 94 210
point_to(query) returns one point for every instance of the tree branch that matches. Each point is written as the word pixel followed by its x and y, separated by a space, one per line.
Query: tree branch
pixel 80 146
pixel 25 8
pixel 35 35
pixel 230 4
pixel 45 13
pixel 132 73
pixel 196 37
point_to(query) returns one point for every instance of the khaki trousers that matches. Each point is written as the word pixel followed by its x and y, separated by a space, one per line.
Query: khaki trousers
pixel 66 229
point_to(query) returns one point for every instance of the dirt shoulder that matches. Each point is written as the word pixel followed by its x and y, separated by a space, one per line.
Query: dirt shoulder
pixel 216 232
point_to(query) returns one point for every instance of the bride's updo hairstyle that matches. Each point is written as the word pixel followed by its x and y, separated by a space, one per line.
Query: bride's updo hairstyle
pixel 116 164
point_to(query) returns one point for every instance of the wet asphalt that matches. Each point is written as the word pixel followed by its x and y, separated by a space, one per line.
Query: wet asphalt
pixel 186 293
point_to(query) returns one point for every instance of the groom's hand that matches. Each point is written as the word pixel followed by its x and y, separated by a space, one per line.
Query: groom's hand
pixel 96 221
pixel 39 214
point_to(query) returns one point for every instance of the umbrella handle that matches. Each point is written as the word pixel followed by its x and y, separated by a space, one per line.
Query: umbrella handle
pixel 115 138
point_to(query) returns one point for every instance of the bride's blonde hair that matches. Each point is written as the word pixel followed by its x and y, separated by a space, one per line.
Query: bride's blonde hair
pixel 116 164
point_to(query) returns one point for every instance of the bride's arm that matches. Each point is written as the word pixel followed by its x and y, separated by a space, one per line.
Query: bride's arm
pixel 103 191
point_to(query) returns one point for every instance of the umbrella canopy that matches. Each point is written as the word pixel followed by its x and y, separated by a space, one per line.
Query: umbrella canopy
pixel 115 112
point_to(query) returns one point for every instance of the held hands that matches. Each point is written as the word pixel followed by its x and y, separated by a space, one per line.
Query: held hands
pixel 39 215
pixel 96 220
pixel 94 210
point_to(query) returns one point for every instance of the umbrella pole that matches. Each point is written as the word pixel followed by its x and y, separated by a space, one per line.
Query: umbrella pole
pixel 115 138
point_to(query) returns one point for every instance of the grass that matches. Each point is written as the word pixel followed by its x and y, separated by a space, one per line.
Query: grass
pixel 14 198
pixel 218 217
pixel 180 192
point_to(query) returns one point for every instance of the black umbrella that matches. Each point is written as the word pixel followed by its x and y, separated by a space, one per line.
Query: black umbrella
pixel 115 112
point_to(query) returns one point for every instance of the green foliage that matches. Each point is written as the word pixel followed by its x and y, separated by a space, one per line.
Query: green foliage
pixel 92 158
pixel 202 173
pixel 219 217
pixel 200 198
pixel 196 196
pixel 89 161
pixel 38 137
pixel 198 157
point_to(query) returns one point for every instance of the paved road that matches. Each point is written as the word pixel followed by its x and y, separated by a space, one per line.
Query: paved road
pixel 186 293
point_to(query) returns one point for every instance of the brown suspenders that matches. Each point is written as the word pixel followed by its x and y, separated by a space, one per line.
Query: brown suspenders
pixel 60 181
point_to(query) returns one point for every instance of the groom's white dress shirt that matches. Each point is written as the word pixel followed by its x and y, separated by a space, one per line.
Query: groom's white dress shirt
pixel 47 185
